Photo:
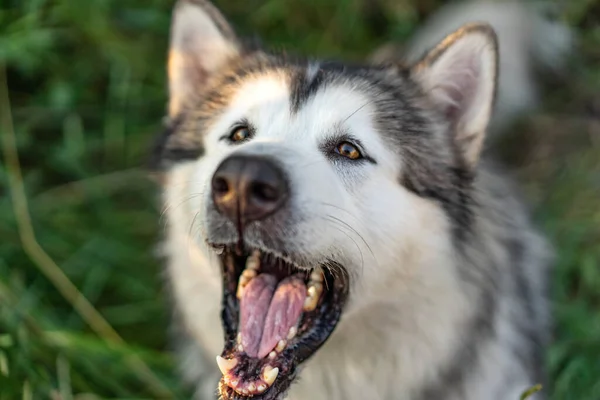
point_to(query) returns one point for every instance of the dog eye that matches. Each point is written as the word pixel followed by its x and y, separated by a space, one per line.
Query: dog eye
pixel 240 134
pixel 348 150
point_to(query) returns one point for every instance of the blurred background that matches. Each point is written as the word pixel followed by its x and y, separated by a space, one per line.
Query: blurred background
pixel 83 314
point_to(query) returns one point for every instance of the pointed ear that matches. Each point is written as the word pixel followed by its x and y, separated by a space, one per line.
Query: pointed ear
pixel 201 43
pixel 459 77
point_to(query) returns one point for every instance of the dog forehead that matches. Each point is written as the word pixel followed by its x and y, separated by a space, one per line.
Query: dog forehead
pixel 276 104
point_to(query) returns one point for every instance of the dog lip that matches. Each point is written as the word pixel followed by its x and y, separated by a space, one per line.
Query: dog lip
pixel 314 328
pixel 290 258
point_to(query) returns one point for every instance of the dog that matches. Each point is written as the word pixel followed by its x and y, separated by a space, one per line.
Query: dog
pixel 339 231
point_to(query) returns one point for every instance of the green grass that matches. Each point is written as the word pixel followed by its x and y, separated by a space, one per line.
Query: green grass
pixel 87 92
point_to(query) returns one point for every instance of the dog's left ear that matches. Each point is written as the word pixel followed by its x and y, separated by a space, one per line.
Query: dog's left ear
pixel 202 42
pixel 459 77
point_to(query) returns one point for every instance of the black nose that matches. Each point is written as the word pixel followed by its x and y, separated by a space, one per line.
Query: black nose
pixel 248 188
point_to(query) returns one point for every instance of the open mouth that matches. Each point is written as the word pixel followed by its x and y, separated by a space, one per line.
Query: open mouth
pixel 275 316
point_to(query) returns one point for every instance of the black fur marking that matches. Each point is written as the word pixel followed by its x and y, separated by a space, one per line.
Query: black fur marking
pixel 164 153
pixel 303 86
pixel 454 197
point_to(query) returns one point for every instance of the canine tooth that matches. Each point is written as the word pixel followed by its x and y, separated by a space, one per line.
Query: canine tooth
pixel 261 388
pixel 280 346
pixel 292 333
pixel 272 354
pixel 240 347
pixel 239 338
pixel 270 374
pixel 226 365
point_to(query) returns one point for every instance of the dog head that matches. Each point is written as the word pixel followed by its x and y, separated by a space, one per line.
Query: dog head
pixel 303 177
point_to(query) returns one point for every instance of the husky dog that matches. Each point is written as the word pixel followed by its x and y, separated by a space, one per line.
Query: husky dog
pixel 333 230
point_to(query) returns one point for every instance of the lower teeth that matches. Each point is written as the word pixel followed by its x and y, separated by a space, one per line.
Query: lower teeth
pixel 268 376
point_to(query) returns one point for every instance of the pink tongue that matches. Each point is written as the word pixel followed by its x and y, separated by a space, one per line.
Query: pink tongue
pixel 268 312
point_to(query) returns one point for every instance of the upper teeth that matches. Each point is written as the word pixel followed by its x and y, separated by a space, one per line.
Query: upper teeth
pixel 314 291
pixel 316 275
pixel 252 265
pixel 249 273
pixel 253 262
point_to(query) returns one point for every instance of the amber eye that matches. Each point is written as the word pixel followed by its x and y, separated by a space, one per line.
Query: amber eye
pixel 348 150
pixel 240 134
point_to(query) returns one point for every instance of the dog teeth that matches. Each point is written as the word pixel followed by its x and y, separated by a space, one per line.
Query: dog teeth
pixel 270 374
pixel 315 289
pixel 251 387
pixel 261 388
pixel 226 365
pixel 272 354
pixel 316 275
pixel 310 303
pixel 244 280
pixel 280 346
pixel 253 261
pixel 251 270
pixel 313 293
pixel 318 287
pixel 240 347
pixel 292 333
pixel 249 273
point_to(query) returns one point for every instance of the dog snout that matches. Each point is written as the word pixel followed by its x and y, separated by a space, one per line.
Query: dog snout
pixel 248 188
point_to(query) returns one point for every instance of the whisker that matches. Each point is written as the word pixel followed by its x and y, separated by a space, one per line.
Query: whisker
pixel 355 231
pixel 339 208
pixel 334 223
pixel 357 110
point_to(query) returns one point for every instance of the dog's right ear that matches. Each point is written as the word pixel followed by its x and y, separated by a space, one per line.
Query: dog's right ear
pixel 202 42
